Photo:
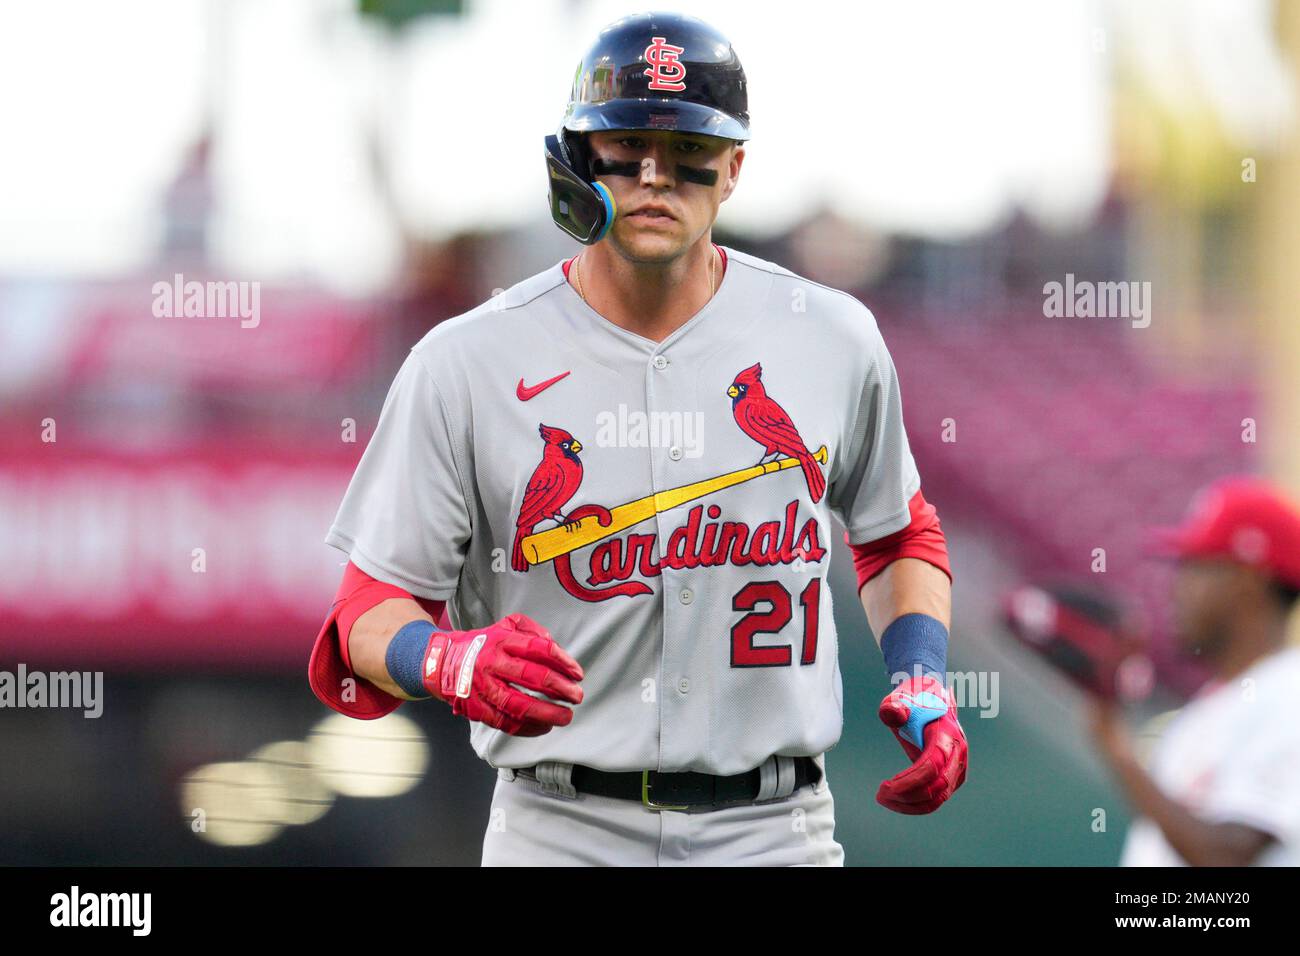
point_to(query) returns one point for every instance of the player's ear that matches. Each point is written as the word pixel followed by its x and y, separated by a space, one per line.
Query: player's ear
pixel 733 170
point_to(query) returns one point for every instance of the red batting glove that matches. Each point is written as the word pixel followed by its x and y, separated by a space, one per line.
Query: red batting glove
pixel 474 670
pixel 923 716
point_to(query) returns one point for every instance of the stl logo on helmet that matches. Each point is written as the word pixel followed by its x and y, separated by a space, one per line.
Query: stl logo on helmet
pixel 665 71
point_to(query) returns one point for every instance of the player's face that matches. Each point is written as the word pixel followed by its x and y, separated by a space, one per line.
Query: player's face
pixel 1205 593
pixel 680 180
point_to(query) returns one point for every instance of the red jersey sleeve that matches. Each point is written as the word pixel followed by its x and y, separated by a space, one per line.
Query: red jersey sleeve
pixel 922 538
pixel 329 670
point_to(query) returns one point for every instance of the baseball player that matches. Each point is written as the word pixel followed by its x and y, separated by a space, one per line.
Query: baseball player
pixel 1223 786
pixel 618 480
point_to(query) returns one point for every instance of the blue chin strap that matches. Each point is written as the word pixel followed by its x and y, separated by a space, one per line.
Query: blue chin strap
pixel 611 209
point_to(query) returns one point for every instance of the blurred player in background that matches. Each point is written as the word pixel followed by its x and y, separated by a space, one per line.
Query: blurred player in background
pixel 1223 784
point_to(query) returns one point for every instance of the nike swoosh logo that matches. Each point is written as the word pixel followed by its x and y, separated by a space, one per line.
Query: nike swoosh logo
pixel 525 392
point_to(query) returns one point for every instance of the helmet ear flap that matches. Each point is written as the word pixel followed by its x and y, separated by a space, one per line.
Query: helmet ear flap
pixel 582 208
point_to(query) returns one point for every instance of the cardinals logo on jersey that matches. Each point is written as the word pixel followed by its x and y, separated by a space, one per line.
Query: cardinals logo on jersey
pixel 555 480
pixel 706 538
pixel 762 419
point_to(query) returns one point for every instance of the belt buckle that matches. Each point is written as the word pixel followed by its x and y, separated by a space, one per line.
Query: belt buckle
pixel 651 804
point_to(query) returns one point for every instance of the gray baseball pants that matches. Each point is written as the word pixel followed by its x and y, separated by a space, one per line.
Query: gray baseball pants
pixel 543 821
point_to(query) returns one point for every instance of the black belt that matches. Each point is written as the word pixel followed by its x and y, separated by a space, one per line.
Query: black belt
pixel 687 790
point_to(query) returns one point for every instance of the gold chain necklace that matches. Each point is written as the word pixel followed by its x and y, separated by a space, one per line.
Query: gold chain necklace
pixel 577 275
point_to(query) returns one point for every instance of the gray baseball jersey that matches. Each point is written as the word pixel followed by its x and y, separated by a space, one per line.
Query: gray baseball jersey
pixel 663 509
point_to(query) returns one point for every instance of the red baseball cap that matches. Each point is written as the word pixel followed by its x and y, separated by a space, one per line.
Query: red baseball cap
pixel 1242 519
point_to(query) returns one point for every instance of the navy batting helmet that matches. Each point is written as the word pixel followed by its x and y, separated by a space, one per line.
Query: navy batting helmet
pixel 653 71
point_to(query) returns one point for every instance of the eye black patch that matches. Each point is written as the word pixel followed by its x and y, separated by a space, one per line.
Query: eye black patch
pixel 693 174
pixel 690 174
pixel 604 167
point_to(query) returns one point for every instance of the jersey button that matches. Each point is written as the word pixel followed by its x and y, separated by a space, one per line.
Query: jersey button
pixel 683 686
pixel 675 453
pixel 687 596
pixel 661 363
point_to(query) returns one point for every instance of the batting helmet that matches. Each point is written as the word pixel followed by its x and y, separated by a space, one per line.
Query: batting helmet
pixel 653 71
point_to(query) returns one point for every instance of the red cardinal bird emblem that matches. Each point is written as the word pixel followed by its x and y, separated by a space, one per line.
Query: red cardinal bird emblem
pixel 762 419
pixel 555 479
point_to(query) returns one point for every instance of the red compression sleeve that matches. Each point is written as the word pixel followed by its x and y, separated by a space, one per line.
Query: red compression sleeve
pixel 922 538
pixel 330 669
